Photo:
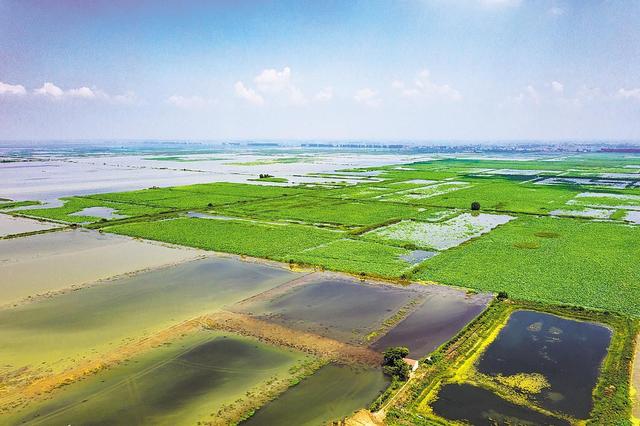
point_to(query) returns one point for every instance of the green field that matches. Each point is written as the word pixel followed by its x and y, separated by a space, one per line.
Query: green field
pixel 589 263
pixel 579 262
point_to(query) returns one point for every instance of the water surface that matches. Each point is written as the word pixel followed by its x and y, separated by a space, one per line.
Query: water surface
pixel 567 353
pixel 479 407
pixel 440 317
pixel 180 384
pixel 343 309
pixel 332 393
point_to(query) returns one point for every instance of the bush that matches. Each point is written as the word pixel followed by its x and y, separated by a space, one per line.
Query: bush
pixel 393 362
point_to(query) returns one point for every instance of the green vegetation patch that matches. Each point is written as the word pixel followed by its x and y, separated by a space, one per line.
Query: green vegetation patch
pixel 590 264
pixel 272 241
pixel 8 204
pixel 320 210
pixel 358 257
pixel 77 204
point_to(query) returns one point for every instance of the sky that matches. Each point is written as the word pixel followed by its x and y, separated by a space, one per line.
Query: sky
pixel 423 70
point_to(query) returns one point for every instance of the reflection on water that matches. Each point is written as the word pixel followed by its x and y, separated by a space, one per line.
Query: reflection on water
pixel 333 392
pixel 567 353
pixel 338 308
pixel 440 317
pixel 478 406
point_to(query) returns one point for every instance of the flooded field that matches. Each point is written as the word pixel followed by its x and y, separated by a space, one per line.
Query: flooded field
pixel 478 406
pixel 54 261
pixel 331 393
pixel 441 316
pixel 565 354
pixel 10 225
pixel 183 383
pixel 339 308
pixel 50 335
pixel 440 236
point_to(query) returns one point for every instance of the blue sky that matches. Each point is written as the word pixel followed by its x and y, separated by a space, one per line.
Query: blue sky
pixel 406 70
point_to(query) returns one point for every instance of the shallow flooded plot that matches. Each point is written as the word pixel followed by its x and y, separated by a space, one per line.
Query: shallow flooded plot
pixel 182 383
pixel 332 393
pixel 586 212
pixel 339 308
pixel 100 212
pixel 478 406
pixel 440 236
pixel 52 334
pixel 54 261
pixel 417 194
pixel 565 354
pixel 10 225
pixel 441 316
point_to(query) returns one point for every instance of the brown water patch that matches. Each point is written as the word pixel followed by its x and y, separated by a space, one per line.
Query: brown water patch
pixel 279 335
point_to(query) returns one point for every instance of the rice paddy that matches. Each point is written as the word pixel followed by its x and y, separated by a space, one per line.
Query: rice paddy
pixel 557 235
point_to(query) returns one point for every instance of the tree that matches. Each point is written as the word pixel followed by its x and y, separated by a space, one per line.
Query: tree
pixel 394 353
pixel 475 205
pixel 393 363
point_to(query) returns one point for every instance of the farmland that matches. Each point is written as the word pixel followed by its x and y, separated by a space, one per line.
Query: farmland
pixel 356 259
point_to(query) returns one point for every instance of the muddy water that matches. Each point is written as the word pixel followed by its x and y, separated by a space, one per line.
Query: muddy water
pixel 10 225
pixel 567 353
pixel 181 384
pixel 342 309
pixel 58 332
pixel 477 406
pixel 101 212
pixel 54 261
pixel 332 393
pixel 443 314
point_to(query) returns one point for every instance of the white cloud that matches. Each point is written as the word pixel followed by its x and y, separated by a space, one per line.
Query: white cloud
pixel 272 81
pixel 324 95
pixel 248 94
pixel 557 87
pixel 629 94
pixel 49 89
pixel 532 93
pixel 82 92
pixel 52 91
pixel 528 95
pixel 274 85
pixel 187 102
pixel 12 89
pixel 424 87
pixel 367 97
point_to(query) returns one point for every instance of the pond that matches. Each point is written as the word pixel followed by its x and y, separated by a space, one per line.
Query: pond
pixel 567 353
pixel 57 332
pixel 333 392
pixel 479 407
pixel 440 317
pixel 339 308
pixel 100 212
pixel 183 383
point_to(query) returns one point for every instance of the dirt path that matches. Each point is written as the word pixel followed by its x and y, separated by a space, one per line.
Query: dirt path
pixel 282 336
pixel 635 380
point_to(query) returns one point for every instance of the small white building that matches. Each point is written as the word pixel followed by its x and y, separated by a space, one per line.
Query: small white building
pixel 413 363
